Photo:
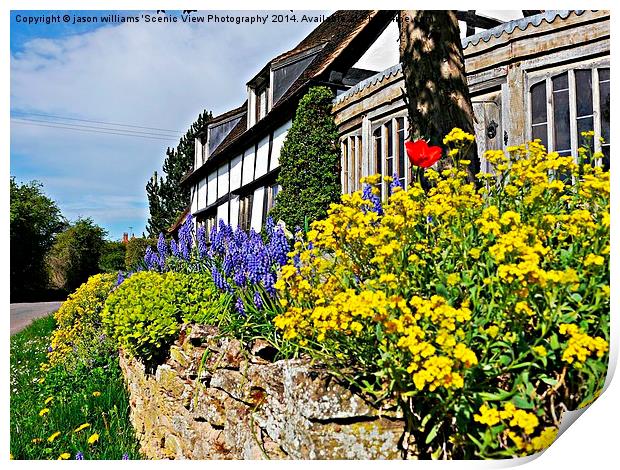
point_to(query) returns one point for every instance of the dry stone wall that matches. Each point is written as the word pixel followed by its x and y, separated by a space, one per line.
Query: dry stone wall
pixel 214 399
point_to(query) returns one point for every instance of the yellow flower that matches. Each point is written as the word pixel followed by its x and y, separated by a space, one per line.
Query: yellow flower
pixel 94 438
pixel 47 400
pixel 81 427
pixel 64 456
pixel 540 350
pixel 492 331
pixel 453 279
pixel 593 259
pixel 37 440
pixel 53 436
pixel 44 411
pixel 488 416
pixel 96 394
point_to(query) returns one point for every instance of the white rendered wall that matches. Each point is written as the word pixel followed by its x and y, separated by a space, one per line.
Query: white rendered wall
pixel 234 211
pixel 194 198
pixel 278 140
pixel 222 180
pixel 262 157
pixel 202 194
pixel 383 53
pixel 222 212
pixel 257 208
pixel 235 172
pixel 248 166
pixel 212 188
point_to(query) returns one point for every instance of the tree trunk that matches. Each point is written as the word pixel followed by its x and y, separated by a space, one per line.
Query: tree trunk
pixel 434 71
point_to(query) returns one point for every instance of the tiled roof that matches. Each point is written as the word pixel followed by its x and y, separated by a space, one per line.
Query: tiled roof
pixel 485 36
pixel 379 77
pixel 522 23
pixel 339 32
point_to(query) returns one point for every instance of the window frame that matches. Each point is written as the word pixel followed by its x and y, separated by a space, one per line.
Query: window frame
pixel 245 211
pixel 351 161
pixel 383 124
pixel 546 76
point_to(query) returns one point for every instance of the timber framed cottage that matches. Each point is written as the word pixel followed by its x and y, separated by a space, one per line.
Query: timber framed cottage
pixel 543 75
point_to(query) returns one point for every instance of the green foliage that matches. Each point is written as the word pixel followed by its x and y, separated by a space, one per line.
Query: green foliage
pixel 144 313
pixel 135 249
pixel 112 257
pixel 482 311
pixel 79 330
pixel 75 254
pixel 93 391
pixel 157 221
pixel 309 162
pixel 35 219
pixel 167 198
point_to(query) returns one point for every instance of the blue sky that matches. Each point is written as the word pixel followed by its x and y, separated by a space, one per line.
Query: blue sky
pixel 151 75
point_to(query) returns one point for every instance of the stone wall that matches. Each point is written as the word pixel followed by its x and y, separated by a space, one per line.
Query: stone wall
pixel 214 399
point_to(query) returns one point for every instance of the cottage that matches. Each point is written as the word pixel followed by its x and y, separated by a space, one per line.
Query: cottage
pixel 541 76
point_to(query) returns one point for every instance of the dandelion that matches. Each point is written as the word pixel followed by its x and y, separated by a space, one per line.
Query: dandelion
pixel 53 436
pixel 37 440
pixel 47 400
pixel 64 456
pixel 44 411
pixel 81 427
pixel 94 438
pixel 96 394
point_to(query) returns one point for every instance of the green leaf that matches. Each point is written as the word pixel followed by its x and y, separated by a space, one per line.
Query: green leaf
pixel 432 433
pixel 521 402
pixel 499 396
pixel 549 381
pixel 553 342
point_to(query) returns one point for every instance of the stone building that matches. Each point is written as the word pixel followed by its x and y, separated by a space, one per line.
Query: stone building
pixel 542 75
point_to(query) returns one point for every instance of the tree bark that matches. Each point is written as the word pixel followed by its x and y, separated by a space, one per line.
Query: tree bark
pixel 434 71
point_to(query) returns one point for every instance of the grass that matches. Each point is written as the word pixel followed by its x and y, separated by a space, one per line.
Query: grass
pixel 89 391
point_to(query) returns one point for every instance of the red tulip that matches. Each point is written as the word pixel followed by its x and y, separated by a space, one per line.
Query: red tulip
pixel 420 154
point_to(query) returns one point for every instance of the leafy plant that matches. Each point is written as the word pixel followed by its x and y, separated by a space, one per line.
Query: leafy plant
pixel 78 321
pixel 54 412
pixel 135 249
pixel 35 220
pixel 309 162
pixel 75 254
pixel 481 310
pixel 112 257
pixel 144 313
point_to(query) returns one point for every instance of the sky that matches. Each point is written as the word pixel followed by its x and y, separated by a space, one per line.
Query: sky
pixel 158 76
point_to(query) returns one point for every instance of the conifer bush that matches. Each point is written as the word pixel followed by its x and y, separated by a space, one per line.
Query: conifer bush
pixel 309 162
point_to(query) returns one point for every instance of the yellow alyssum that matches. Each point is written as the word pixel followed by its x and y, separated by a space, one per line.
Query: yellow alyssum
pixel 580 345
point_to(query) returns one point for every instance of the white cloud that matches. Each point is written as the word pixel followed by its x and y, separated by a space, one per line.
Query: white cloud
pixel 156 75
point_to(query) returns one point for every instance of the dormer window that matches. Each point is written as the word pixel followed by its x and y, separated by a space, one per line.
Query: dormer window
pixel 261 102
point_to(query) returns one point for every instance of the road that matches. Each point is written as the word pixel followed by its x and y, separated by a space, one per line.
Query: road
pixel 22 314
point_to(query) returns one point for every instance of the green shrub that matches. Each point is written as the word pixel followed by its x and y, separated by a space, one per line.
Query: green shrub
pixel 144 313
pixel 112 257
pixel 75 254
pixel 135 250
pixel 78 321
pixel 309 162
